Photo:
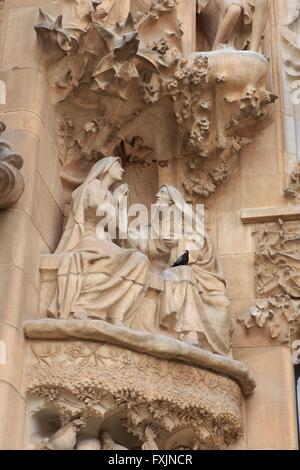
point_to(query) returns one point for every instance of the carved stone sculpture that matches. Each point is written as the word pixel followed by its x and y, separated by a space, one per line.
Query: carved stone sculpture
pixel 136 346
pixel 293 189
pixel 277 265
pixel 291 49
pixel 247 12
pixel 11 181
pixel 122 64
pixel 96 278
pixel 133 310
pixel 99 279
pixel 194 302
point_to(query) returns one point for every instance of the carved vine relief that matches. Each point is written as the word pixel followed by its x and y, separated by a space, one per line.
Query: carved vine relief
pixel 277 267
pixel 118 75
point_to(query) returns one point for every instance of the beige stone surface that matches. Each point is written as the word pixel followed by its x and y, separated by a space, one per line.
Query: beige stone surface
pixel 12 371
pixel 21 243
pixel 234 238
pixel 30 136
pixel 47 216
pixel 271 411
pixel 268 191
pixel 12 417
pixel 15 308
pixel 32 96
pixel 239 286
pixel 187 14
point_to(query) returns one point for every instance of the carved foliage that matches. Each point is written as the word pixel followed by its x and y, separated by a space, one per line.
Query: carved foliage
pixel 154 397
pixel 116 75
pixel 277 267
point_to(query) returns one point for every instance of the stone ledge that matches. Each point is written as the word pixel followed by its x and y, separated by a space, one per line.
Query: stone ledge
pixel 270 214
pixel 155 345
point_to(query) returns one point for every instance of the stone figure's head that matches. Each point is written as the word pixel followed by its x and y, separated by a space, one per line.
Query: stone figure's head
pixel 116 171
pixel 107 167
pixel 163 197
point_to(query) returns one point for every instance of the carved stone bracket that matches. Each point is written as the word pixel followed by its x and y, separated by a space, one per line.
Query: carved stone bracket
pixel 277 267
pixel 11 180
pixel 138 400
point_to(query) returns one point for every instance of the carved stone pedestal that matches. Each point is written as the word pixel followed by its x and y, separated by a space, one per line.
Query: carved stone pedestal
pixel 138 400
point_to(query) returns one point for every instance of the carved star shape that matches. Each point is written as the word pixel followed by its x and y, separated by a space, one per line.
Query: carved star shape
pixel 124 54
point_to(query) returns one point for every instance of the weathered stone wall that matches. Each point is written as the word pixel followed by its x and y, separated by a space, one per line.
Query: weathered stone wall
pixel 33 225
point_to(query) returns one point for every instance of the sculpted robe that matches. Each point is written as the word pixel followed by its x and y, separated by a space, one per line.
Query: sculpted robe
pixel 96 278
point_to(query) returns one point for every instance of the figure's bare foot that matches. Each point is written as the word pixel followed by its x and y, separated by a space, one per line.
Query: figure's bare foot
pixel 190 338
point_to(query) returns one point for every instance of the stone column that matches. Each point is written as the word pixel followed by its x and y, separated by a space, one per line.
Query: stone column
pixel 33 225
pixel 187 15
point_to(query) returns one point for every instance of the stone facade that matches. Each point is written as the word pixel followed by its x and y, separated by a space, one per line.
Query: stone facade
pixel 189 101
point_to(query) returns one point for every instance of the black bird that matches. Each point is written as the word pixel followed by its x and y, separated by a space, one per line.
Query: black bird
pixel 183 260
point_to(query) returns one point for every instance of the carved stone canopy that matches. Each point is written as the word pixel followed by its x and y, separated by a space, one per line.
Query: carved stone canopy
pixel 120 76
pixel 11 180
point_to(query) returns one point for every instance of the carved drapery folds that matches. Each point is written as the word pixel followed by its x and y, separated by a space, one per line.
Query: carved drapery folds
pixel 277 267
pixel 121 75
pixel 11 180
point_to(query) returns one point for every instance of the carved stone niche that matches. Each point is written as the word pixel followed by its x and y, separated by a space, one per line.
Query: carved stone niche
pixel 11 180
pixel 87 388
pixel 118 76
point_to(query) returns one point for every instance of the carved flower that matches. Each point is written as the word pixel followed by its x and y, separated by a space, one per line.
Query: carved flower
pixel 161 6
pixel 181 71
pixel 196 185
pixel 160 46
pixel 205 105
pixel 204 124
pixel 220 173
pixel 195 137
pixel 172 86
pixel 199 71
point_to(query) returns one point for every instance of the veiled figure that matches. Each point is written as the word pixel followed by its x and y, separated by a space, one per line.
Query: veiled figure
pixel 96 278
pixel 194 305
